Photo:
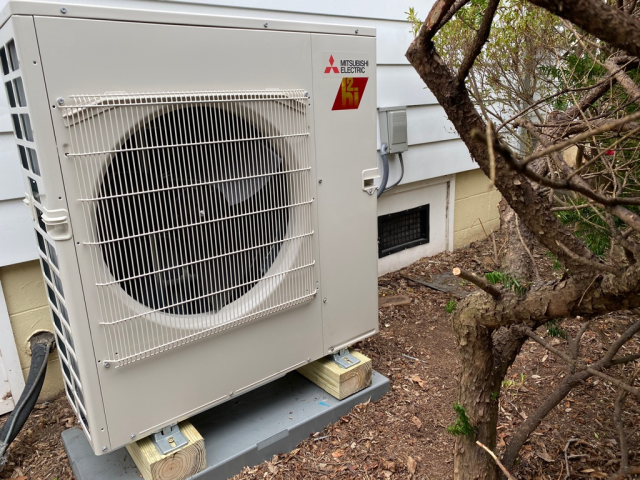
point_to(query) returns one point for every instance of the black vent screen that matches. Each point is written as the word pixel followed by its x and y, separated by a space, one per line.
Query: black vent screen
pixel 401 230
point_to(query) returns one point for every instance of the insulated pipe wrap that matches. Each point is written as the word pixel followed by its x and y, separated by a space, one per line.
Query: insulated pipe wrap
pixel 41 346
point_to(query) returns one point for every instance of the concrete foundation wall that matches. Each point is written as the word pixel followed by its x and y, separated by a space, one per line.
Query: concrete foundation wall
pixel 29 312
pixel 475 207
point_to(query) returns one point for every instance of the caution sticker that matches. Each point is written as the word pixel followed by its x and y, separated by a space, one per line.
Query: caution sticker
pixel 350 93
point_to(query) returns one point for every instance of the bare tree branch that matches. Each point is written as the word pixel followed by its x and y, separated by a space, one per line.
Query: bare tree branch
pixel 534 419
pixel 583 136
pixel 434 20
pixel 532 422
pixel 532 206
pixel 625 359
pixel 584 261
pixel 623 79
pixel 591 370
pixel 458 4
pixel 481 283
pixel 599 88
pixel 478 42
pixel 574 344
pixel 575 183
pixel 600 20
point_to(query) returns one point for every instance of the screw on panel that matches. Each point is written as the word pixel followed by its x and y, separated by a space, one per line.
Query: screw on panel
pixel 320 181
pixel 106 364
pixel 308 359
pixel 356 32
pixel 63 10
pixel 133 435
pixel 266 25
pixel 60 101
pixel 104 449
pixel 324 300
pixel 231 394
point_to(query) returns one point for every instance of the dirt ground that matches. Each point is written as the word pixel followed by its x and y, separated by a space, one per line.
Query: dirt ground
pixel 403 435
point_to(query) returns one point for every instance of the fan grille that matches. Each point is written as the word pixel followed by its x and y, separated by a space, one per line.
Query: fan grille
pixel 200 218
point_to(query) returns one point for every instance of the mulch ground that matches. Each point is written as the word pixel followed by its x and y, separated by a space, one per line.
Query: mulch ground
pixel 403 435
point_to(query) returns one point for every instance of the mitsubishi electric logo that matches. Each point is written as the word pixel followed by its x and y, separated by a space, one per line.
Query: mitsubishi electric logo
pixel 350 63
pixel 331 68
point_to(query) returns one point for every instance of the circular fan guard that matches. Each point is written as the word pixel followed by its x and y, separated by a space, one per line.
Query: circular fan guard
pixel 188 229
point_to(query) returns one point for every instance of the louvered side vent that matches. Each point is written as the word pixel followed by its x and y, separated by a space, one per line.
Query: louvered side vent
pixel 198 211
pixel 24 136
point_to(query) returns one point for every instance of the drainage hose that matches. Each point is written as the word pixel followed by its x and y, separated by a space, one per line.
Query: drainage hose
pixel 41 345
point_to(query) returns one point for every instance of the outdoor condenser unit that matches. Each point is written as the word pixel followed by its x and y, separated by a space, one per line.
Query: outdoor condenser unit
pixel 202 194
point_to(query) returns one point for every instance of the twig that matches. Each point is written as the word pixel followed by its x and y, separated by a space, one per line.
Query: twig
pixel 478 282
pixel 414 358
pixel 617 418
pixel 587 289
pixel 569 208
pixel 492 153
pixel 533 262
pixel 495 248
pixel 493 238
pixel 498 462
pixel 566 458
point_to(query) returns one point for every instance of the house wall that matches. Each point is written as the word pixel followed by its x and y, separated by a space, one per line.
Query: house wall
pixel 476 208
pixel 28 309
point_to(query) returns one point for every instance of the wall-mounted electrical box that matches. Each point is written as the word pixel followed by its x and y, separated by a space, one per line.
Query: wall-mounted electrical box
pixel 393 128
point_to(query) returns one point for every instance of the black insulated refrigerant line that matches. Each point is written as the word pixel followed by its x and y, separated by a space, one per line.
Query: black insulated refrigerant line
pixel 41 345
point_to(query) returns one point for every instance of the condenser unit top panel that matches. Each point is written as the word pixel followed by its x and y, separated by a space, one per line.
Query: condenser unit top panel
pixel 149 11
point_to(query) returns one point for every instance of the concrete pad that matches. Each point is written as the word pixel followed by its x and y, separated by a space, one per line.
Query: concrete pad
pixel 243 432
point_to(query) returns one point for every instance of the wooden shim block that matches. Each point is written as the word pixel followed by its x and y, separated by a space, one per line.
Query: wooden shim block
pixel 393 301
pixel 178 465
pixel 337 381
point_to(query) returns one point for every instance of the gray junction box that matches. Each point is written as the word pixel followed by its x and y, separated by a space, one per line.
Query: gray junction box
pixel 393 128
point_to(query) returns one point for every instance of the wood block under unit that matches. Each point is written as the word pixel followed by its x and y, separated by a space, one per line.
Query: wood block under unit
pixel 177 465
pixel 337 381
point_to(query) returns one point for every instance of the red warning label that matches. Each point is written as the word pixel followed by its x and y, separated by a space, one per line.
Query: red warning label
pixel 350 93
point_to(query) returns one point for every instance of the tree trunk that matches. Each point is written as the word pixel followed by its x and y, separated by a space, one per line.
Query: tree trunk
pixel 478 394
pixel 486 355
